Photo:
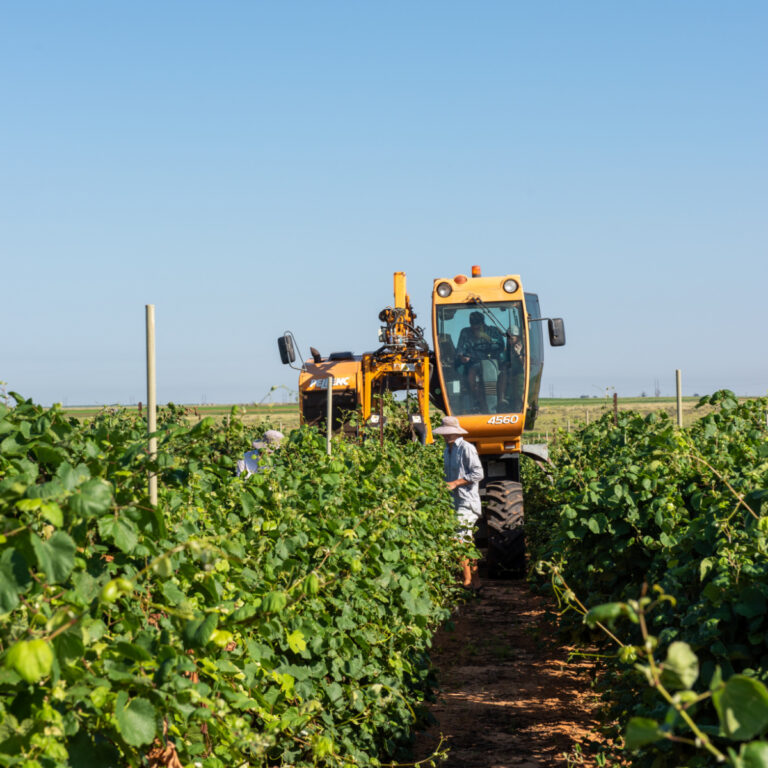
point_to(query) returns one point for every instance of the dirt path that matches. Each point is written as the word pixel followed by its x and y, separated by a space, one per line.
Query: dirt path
pixel 507 694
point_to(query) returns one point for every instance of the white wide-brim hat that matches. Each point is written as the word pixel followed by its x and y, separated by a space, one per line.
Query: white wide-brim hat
pixel 272 438
pixel 451 426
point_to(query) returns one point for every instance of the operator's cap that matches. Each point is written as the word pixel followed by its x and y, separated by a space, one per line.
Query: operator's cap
pixel 450 426
pixel 476 318
pixel 272 439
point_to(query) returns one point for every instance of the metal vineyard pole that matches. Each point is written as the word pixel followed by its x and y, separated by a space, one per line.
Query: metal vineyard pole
pixel 151 400
pixel 679 398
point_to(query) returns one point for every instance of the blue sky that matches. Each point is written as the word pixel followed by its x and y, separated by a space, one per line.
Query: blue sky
pixel 250 167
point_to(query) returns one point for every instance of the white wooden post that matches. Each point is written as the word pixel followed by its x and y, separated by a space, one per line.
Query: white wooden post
pixel 329 416
pixel 151 399
pixel 679 398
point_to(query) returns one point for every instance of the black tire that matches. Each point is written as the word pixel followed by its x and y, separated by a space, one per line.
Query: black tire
pixel 503 512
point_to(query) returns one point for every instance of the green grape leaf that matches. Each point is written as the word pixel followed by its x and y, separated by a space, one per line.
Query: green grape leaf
pixel 137 722
pixel 296 641
pixel 11 447
pixel 681 667
pixel 69 647
pixel 56 556
pixel 742 706
pixel 14 575
pixel 71 476
pixel 608 613
pixel 751 603
pixel 172 593
pixel 197 632
pixel 31 659
pixel 120 531
pixel 51 511
pixel 754 755
pixel 642 731
pixel 49 454
pixel 93 497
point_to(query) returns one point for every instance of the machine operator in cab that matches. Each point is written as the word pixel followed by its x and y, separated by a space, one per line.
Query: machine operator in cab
pixel 478 343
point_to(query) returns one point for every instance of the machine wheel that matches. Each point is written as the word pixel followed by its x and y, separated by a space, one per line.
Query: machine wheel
pixel 506 537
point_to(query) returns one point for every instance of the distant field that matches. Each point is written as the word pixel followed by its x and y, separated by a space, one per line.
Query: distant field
pixel 283 416
pixel 554 413
pixel 569 413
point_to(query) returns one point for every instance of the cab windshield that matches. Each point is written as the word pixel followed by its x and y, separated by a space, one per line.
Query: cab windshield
pixel 482 353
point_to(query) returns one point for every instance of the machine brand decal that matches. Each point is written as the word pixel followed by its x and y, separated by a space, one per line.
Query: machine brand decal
pixel 323 383
pixel 508 419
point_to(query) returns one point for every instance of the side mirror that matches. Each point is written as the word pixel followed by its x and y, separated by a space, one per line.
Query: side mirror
pixel 287 351
pixel 556 331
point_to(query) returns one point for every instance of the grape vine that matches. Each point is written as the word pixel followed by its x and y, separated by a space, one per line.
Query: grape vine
pixel 645 503
pixel 282 619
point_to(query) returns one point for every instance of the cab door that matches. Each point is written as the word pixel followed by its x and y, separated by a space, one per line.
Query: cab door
pixel 536 357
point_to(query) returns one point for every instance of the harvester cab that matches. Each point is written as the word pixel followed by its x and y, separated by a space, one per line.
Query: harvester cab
pixel 488 360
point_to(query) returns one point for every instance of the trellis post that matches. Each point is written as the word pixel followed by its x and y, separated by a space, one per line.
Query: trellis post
pixel 151 400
